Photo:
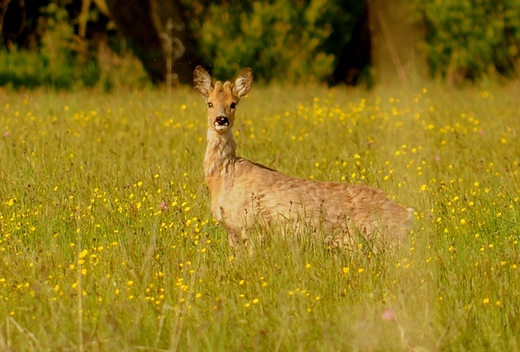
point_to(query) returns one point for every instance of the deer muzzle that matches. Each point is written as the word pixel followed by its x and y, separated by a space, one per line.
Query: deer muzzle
pixel 221 122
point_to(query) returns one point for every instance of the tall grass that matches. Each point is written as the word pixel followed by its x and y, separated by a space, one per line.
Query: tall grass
pixel 107 241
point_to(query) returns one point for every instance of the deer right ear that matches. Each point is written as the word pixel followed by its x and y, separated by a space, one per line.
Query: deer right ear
pixel 202 81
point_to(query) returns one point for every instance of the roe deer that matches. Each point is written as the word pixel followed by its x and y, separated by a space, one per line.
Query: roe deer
pixel 243 192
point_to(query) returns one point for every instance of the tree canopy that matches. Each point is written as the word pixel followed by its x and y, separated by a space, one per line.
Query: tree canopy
pixel 334 41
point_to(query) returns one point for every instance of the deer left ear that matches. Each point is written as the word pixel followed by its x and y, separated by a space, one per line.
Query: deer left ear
pixel 202 81
pixel 243 83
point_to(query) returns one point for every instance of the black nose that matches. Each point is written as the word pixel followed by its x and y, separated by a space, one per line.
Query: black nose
pixel 221 121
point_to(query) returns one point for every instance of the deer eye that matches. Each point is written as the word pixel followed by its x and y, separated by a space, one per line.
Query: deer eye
pixel 233 105
pixel 210 104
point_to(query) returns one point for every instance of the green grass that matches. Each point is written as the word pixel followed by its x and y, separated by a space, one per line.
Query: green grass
pixel 107 241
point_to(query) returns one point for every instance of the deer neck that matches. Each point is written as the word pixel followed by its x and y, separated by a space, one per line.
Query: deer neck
pixel 220 154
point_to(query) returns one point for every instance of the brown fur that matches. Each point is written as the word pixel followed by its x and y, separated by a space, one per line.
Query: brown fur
pixel 244 192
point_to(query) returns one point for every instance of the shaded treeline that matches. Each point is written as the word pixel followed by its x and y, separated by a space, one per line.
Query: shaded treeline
pixel 333 41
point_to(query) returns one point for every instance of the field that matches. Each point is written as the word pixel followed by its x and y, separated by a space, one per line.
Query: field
pixel 107 241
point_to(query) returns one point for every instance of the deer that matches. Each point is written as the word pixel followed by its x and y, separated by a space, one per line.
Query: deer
pixel 245 193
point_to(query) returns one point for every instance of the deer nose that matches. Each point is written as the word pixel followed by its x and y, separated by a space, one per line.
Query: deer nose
pixel 221 121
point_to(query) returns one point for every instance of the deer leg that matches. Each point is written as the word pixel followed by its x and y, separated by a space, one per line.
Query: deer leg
pixel 234 240
pixel 238 241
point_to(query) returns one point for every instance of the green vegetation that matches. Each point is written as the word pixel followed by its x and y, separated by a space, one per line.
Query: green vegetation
pixel 63 61
pixel 107 241
pixel 283 40
pixel 469 39
pixel 287 40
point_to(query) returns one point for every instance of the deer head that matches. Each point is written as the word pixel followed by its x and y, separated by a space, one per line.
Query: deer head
pixel 222 99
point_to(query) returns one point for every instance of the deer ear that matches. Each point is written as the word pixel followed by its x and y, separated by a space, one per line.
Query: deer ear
pixel 202 81
pixel 243 83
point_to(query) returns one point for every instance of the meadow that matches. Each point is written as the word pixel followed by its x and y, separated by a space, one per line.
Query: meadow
pixel 107 240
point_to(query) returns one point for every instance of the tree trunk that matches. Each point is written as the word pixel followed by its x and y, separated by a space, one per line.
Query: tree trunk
pixel 396 35
pixel 354 59
pixel 133 18
pixel 144 22
pixel 182 45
